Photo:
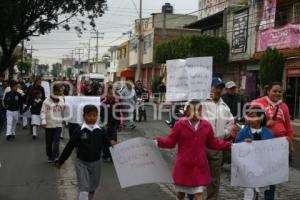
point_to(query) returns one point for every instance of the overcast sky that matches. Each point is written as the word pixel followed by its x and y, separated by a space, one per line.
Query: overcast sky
pixel 118 19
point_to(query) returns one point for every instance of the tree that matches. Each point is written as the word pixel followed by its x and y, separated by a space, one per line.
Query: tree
pixel 24 67
pixel 56 69
pixel 271 67
pixel 42 69
pixel 20 19
pixel 193 46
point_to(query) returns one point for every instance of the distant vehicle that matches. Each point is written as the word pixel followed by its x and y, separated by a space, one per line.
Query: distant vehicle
pixel 91 78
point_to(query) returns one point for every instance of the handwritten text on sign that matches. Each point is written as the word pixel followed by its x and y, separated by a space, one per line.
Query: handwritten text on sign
pixel 189 79
pixel 138 161
pixel 261 163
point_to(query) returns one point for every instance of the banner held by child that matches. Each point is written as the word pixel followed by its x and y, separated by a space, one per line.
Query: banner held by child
pixel 260 163
pixel 138 161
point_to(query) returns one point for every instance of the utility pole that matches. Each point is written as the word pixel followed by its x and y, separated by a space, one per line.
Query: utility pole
pixel 97 37
pixel 140 44
pixel 79 53
pixel 31 56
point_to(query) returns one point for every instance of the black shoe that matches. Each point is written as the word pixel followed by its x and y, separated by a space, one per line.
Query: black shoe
pixel 132 127
pixel 8 137
pixel 25 127
pixel 34 137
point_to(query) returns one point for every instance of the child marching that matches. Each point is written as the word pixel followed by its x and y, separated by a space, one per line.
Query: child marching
pixel 35 109
pixel 255 130
pixel 14 105
pixel 52 120
pixel 193 135
pixel 88 140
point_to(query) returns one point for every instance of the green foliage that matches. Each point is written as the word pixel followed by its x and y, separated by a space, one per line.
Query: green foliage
pixel 24 66
pixel 20 19
pixel 271 67
pixel 193 46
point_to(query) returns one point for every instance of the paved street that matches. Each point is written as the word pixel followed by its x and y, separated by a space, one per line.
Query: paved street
pixel 26 175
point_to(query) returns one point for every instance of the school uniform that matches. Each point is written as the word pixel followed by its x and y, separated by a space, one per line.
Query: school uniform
pixel 191 172
pixel 52 115
pixel 13 105
pixel 88 141
pixel 255 134
pixel 35 110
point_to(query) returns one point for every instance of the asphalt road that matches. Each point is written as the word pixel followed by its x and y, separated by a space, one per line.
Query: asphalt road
pixel 26 175
pixel 24 172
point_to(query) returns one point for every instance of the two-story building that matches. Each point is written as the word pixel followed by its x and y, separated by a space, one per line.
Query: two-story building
pixel 160 27
pixel 279 28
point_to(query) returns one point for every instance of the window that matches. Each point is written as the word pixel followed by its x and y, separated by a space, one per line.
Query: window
pixel 296 13
pixel 281 17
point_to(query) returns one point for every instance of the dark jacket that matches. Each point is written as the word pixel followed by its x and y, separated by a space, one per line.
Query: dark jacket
pixel 13 101
pixel 36 107
pixel 109 107
pixel 235 103
pixel 88 145
pixel 31 91
pixel 246 133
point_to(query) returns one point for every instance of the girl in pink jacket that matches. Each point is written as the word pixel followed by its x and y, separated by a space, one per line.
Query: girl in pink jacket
pixel 192 135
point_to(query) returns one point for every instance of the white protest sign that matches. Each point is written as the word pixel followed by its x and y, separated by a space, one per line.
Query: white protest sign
pixel 46 86
pixel 199 71
pixel 74 107
pixel 177 81
pixel 189 79
pixel 139 161
pixel 260 163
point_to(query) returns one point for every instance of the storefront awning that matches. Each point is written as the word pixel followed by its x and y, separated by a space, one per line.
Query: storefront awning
pixel 127 73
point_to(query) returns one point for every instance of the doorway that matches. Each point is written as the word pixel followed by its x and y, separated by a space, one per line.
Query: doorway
pixel 292 96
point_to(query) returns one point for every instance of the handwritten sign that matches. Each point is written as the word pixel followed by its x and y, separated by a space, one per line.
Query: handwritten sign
pixel 189 79
pixel 138 161
pixel 74 107
pixel 260 164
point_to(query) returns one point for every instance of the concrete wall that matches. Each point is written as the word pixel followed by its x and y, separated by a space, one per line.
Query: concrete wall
pixel 251 37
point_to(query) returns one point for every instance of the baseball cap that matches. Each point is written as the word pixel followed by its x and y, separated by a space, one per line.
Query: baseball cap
pixel 216 81
pixel 230 84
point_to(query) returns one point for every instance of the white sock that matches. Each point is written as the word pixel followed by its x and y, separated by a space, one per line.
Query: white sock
pixel 83 196
pixel 34 130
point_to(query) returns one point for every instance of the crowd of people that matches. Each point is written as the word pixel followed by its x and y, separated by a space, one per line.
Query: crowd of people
pixel 198 164
pixel 201 135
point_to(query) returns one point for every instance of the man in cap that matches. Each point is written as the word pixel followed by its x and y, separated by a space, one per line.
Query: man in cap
pixel 234 100
pixel 216 111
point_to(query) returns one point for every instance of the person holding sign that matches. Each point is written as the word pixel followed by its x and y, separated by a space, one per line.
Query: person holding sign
pixel 216 111
pixel 193 135
pixel 255 130
pixel 88 140
pixel 278 117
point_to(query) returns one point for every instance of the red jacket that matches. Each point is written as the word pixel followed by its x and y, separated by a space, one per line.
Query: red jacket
pixel 282 126
pixel 191 167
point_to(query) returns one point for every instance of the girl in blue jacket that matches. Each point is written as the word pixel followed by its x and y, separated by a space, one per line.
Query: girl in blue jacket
pixel 255 130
